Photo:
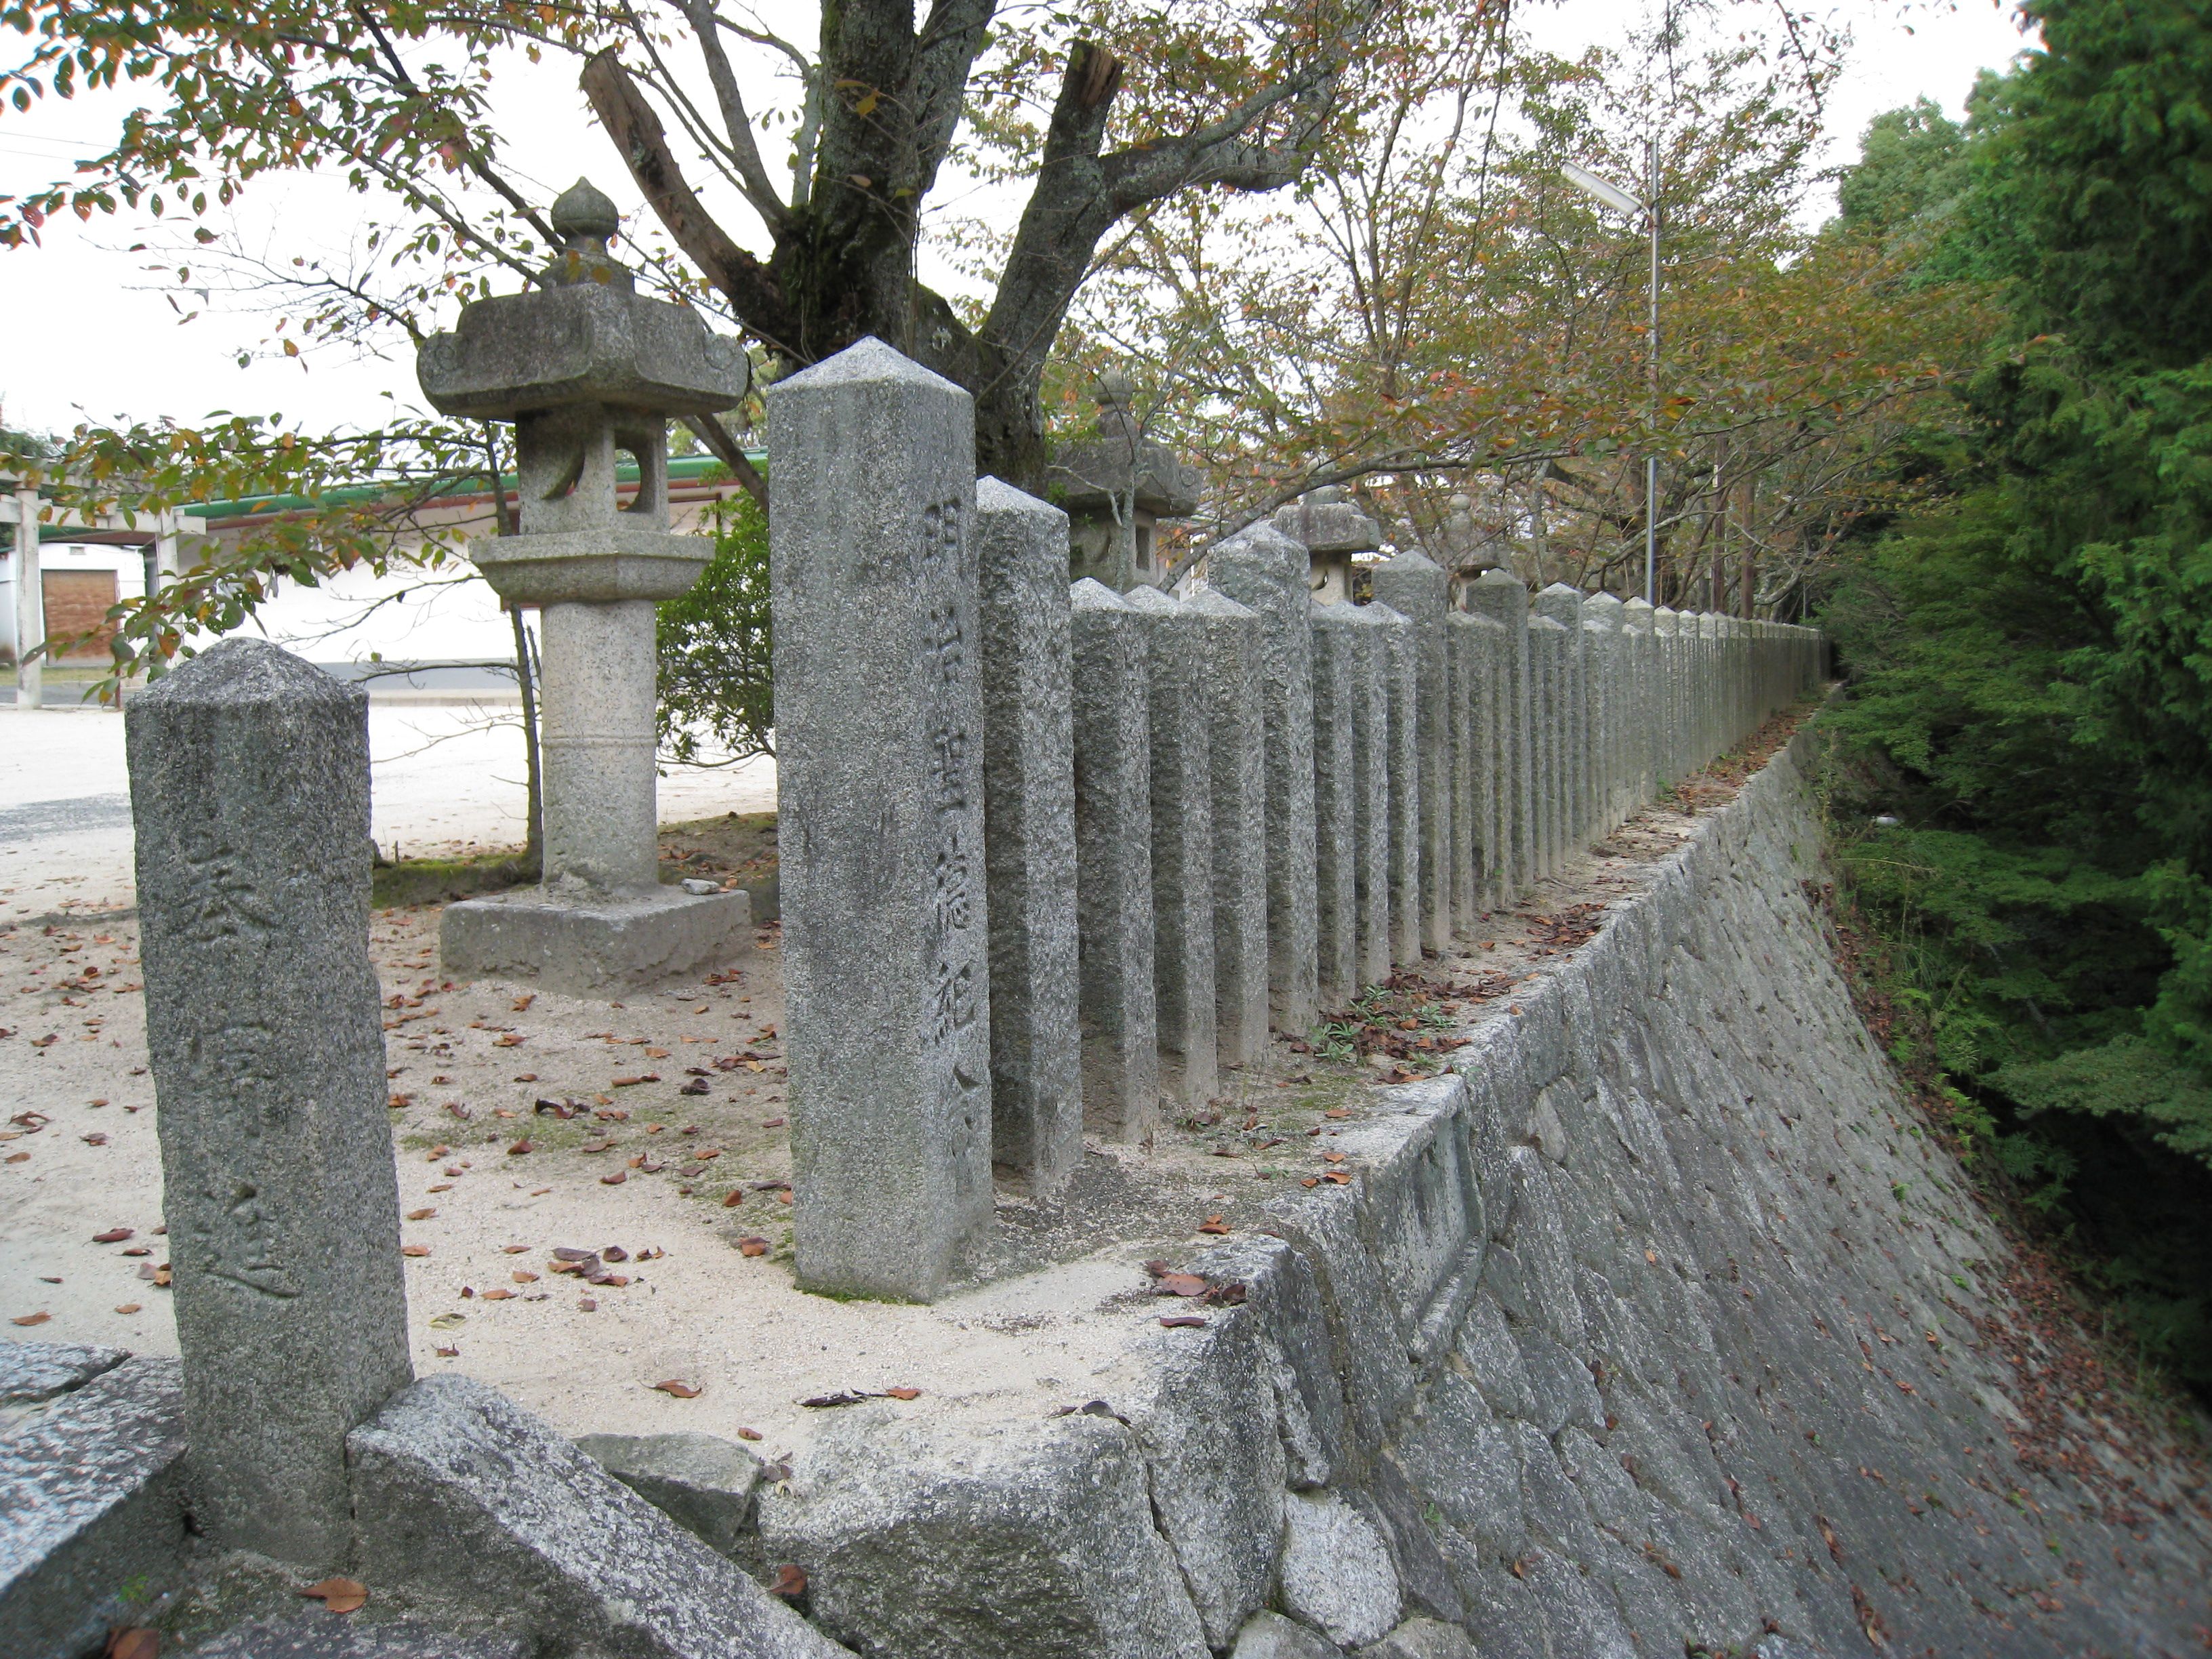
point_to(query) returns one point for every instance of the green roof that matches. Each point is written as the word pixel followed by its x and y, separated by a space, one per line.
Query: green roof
pixel 680 468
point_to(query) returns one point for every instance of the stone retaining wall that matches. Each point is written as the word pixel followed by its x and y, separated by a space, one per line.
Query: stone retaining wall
pixel 1654 1325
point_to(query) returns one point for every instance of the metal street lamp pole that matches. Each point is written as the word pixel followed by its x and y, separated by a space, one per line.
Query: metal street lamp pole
pixel 1614 196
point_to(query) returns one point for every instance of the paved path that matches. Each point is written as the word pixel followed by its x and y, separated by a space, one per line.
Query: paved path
pixel 446 778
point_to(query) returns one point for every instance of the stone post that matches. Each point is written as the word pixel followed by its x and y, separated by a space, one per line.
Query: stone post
pixel 1114 865
pixel 1370 806
pixel 1265 570
pixel 1182 795
pixel 1548 679
pixel 1339 679
pixel 1598 642
pixel 1505 600
pixel 1564 606
pixel 1709 639
pixel 589 372
pixel 1236 697
pixel 1463 701
pixel 1667 624
pixel 1028 834
pixel 1636 623
pixel 1601 622
pixel 1415 587
pixel 249 789
pixel 1401 647
pixel 879 801
pixel 1491 777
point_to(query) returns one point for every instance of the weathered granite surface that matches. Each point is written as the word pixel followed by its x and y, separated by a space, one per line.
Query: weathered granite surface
pixel 92 1502
pixel 1265 570
pixel 1031 1543
pixel 31 1372
pixel 704 1483
pixel 334 1636
pixel 1182 793
pixel 1119 1005
pixel 1028 834
pixel 880 802
pixel 1237 748
pixel 249 787
pixel 468 1503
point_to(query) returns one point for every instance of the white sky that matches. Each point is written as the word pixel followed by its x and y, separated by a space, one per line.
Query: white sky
pixel 93 335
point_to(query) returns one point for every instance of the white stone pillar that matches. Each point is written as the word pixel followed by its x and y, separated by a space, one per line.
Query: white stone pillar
pixel 30 603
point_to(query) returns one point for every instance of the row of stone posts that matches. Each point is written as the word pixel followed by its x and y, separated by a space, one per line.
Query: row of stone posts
pixel 1054 855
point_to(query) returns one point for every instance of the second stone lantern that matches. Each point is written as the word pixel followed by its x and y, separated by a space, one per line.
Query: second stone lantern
pixel 589 372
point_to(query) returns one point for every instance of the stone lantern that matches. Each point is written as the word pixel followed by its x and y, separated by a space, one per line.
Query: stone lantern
pixel 589 370
pixel 1115 486
pixel 1331 528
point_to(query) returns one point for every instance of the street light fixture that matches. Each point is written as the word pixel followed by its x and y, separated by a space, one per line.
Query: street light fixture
pixel 1621 201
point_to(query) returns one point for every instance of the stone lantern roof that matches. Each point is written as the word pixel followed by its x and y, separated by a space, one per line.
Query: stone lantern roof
pixel 1118 462
pixel 1326 522
pixel 588 337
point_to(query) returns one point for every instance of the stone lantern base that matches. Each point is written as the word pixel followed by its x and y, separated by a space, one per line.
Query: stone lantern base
pixel 591 946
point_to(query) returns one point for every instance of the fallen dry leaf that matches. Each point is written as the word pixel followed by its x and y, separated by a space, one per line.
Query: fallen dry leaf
pixel 522 1002
pixel 679 1388
pixel 734 1197
pixel 1213 1224
pixel 747 1434
pixel 112 1236
pixel 615 1179
pixel 1179 1284
pixel 497 1295
pixel 31 1319
pixel 515 1249
pixel 826 1402
pixel 520 1147
pixel 421 1215
pixel 790 1582
pixel 136 1643
pixel 903 1393
pixel 339 1594
pixel 752 1247
pixel 414 1249
pixel 1183 1321
pixel 127 1308
pixel 523 1276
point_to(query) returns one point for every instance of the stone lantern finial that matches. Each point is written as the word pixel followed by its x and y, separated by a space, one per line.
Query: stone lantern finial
pixel 585 219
